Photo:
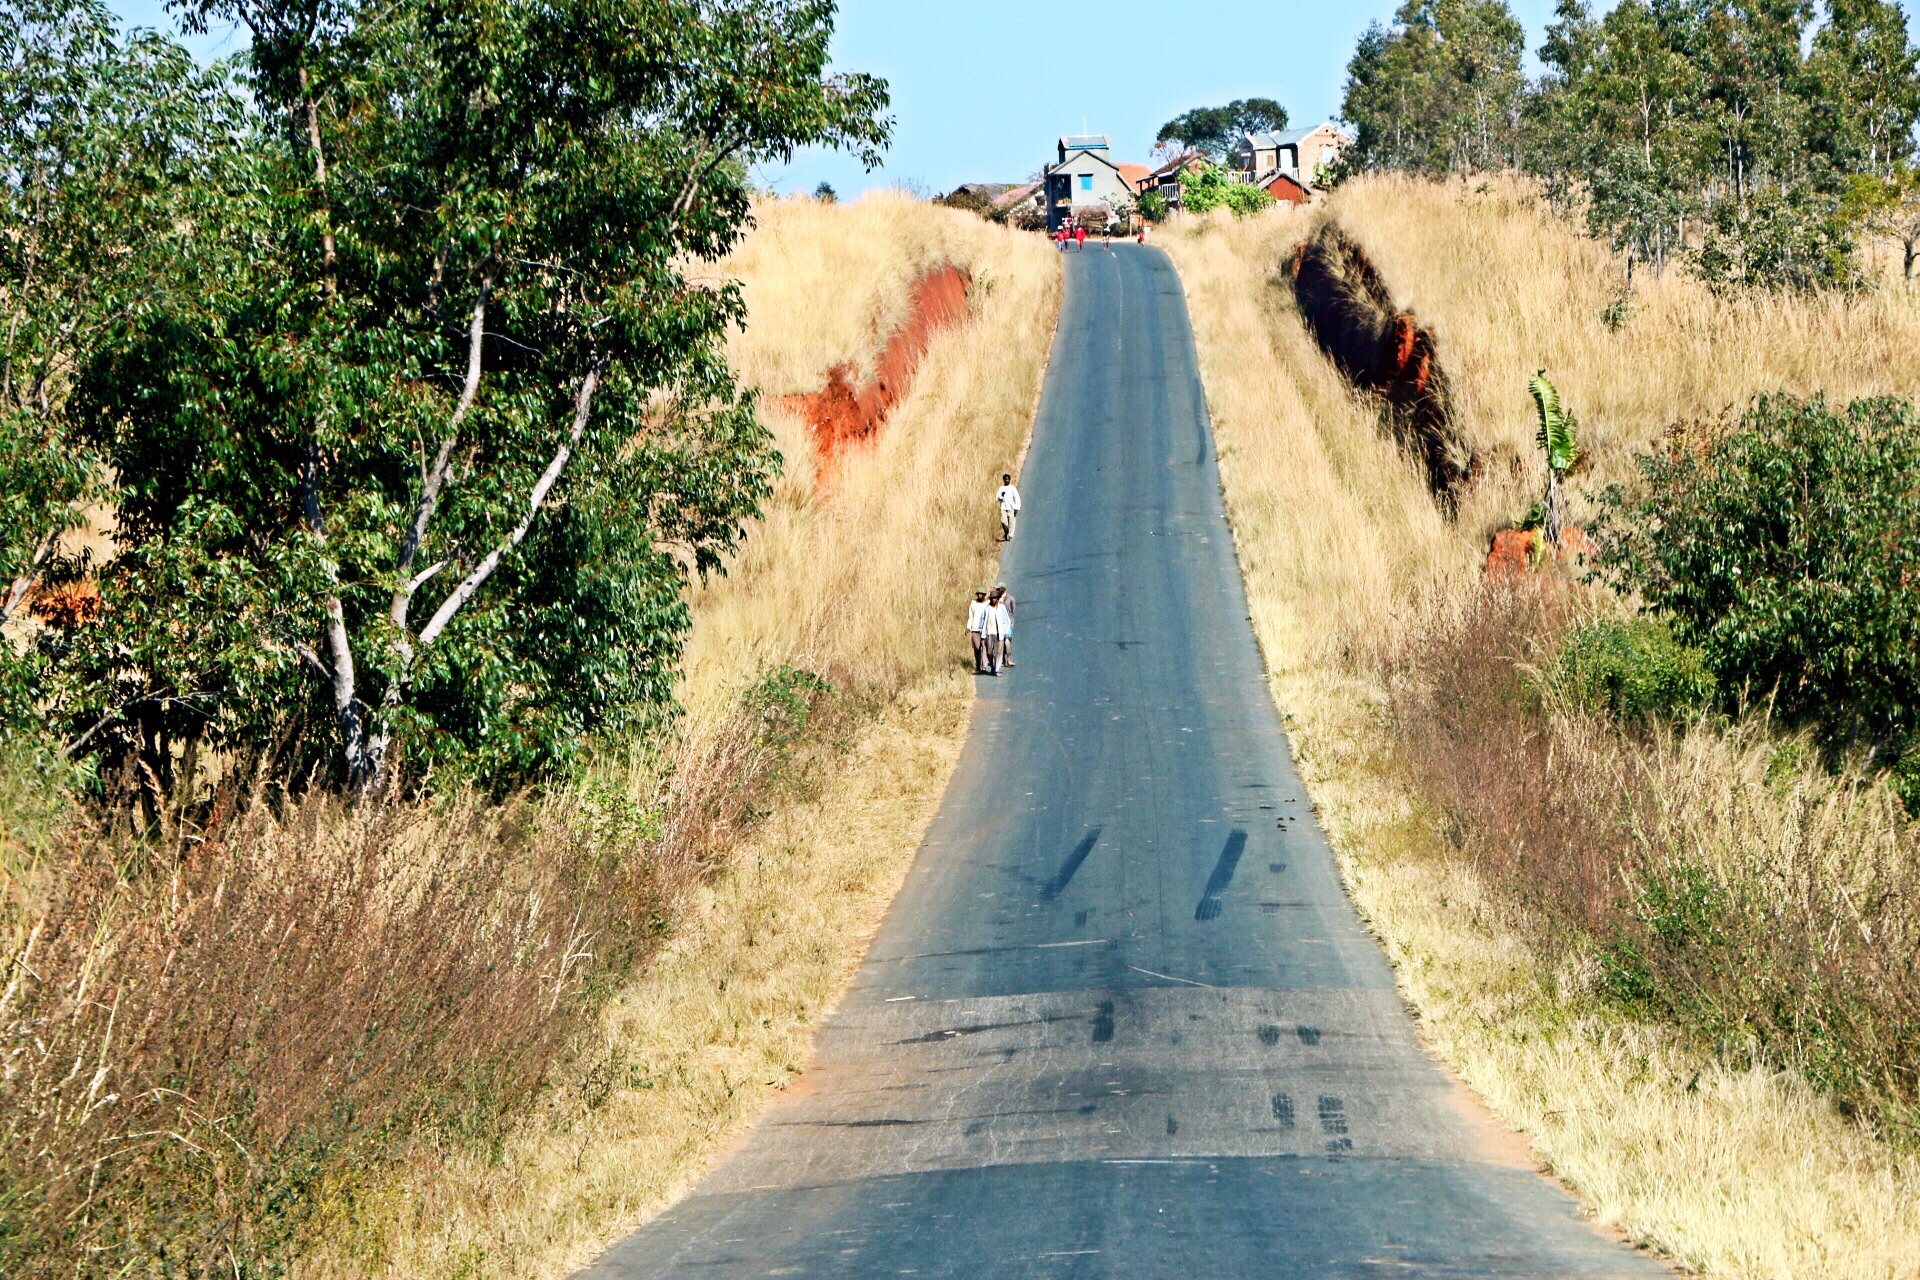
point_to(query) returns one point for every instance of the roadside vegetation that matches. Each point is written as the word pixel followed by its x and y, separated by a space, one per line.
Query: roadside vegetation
pixel 841 668
pixel 1752 144
pixel 377 424
pixel 1635 820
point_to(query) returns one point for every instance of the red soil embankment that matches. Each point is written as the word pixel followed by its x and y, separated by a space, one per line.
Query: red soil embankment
pixel 1382 349
pixel 1517 552
pixel 840 414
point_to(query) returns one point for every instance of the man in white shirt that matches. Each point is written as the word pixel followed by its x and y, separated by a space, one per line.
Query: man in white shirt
pixel 977 630
pixel 998 623
pixel 1009 500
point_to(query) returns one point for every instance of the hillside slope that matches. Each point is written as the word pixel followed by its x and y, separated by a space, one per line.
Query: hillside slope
pixel 859 579
pixel 1734 1172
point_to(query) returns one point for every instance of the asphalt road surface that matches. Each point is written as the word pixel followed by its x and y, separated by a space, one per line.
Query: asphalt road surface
pixel 1122 1020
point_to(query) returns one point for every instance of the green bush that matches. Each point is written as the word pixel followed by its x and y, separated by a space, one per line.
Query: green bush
pixel 1786 548
pixel 1208 188
pixel 1152 206
pixel 1635 669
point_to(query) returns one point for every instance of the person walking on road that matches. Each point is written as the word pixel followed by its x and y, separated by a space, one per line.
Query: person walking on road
pixel 1009 499
pixel 977 630
pixel 1080 239
pixel 997 623
pixel 1005 598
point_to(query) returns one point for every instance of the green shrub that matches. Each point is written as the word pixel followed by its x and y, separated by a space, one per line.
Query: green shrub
pixel 1786 548
pixel 1152 206
pixel 1635 669
pixel 1208 188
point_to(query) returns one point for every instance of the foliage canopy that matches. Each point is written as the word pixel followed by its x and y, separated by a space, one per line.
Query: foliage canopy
pixel 1207 187
pixel 1216 131
pixel 1785 547
pixel 1728 133
pixel 416 421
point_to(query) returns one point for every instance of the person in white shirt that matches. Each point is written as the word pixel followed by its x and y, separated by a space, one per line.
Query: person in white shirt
pixel 977 630
pixel 1006 638
pixel 998 623
pixel 1009 500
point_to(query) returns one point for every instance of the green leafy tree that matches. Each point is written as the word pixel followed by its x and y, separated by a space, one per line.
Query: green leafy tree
pixel 1862 63
pixel 1779 239
pixel 104 146
pixel 1208 187
pixel 1438 92
pixel 423 467
pixel 1889 207
pixel 1785 547
pixel 1216 131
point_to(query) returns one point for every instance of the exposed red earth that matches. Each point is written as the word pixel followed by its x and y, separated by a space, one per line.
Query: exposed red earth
pixel 841 415
pixel 1382 349
pixel 1515 552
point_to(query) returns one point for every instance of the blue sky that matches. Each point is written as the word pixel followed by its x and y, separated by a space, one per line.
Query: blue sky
pixel 981 88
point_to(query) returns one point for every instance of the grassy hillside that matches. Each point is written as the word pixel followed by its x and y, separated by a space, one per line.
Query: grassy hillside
pixel 859 581
pixel 1726 1157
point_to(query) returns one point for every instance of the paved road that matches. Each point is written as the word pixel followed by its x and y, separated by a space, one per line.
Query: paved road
pixel 1122 1020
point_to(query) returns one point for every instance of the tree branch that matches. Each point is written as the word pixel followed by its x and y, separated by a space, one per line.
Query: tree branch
pixel 339 643
pixel 24 583
pixel 330 258
pixel 436 475
pixel 582 410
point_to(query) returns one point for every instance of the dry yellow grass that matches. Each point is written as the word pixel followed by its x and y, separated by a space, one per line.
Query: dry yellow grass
pixel 864 581
pixel 1737 1174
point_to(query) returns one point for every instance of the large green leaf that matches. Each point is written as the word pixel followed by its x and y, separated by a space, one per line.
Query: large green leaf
pixel 1557 435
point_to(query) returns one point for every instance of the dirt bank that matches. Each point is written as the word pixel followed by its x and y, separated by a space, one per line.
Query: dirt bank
pixel 841 414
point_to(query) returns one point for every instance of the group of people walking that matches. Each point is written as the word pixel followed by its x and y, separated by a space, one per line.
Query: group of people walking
pixel 990 630
pixel 990 616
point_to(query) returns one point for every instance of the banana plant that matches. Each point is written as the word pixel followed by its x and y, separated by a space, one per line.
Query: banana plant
pixel 1558 437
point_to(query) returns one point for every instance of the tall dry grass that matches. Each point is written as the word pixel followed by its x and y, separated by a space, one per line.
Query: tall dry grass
pixel 1735 1167
pixel 863 581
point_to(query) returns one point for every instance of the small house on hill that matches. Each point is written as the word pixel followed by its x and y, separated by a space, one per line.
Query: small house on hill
pixel 1166 178
pixel 1083 179
pixel 1300 152
pixel 1286 188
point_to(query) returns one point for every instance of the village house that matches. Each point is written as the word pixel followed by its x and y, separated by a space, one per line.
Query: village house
pixel 1166 179
pixel 1299 155
pixel 1085 181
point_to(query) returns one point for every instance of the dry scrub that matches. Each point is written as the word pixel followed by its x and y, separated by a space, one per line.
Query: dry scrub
pixel 1735 1168
pixel 485 1040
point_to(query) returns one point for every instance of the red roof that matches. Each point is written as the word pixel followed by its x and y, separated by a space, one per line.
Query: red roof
pixel 1134 174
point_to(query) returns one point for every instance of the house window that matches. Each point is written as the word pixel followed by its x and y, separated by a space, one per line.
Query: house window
pixel 1086 182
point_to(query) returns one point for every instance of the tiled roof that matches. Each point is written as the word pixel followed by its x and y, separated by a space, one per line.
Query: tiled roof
pixel 1135 174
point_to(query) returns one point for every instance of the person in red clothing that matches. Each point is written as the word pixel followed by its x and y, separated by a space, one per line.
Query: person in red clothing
pixel 1080 239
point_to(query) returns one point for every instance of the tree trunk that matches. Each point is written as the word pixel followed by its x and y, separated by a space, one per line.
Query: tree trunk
pixel 1554 507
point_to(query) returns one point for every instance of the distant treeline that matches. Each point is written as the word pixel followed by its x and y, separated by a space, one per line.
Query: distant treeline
pixel 1755 140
